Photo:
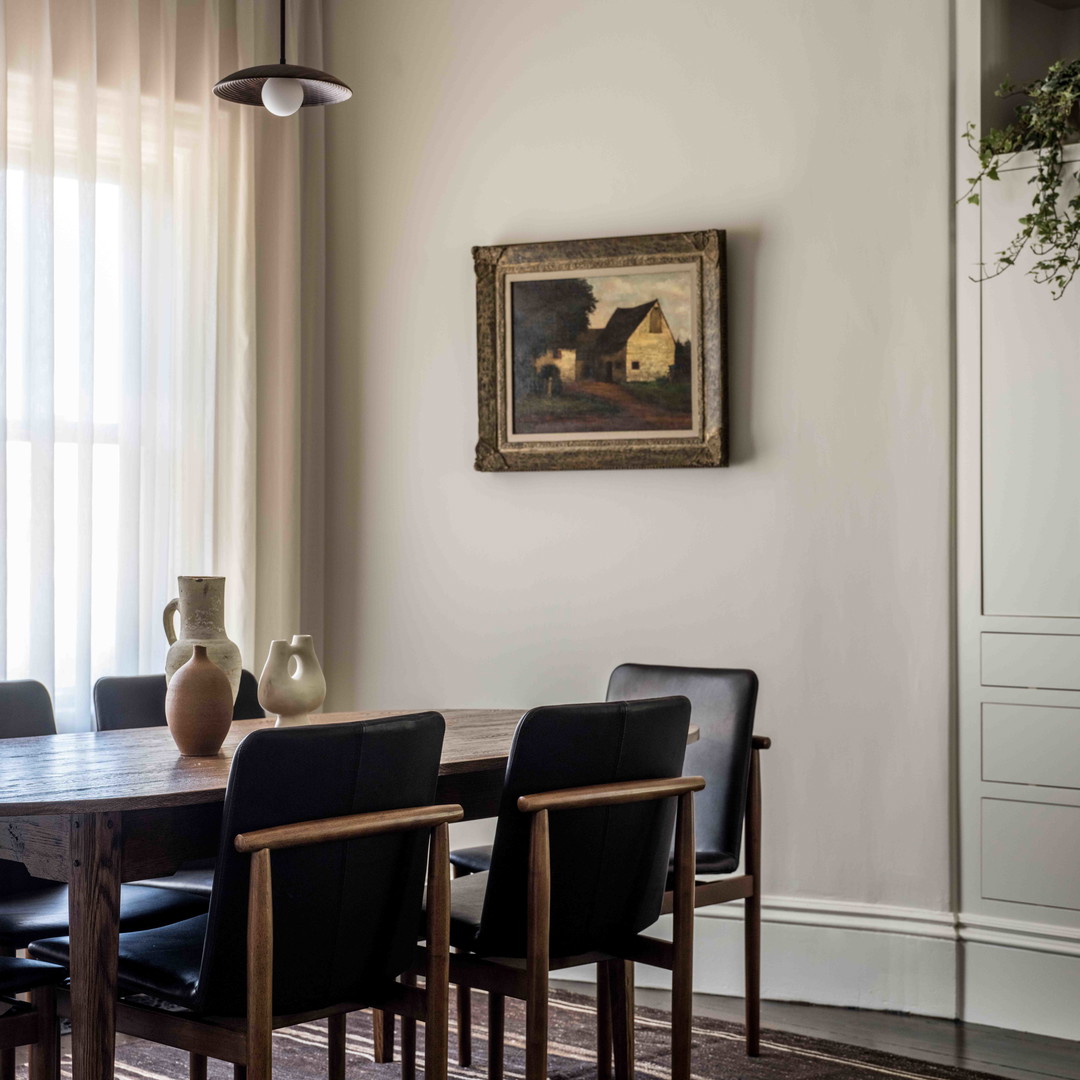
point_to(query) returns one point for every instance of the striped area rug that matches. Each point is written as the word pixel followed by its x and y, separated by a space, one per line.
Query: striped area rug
pixel 300 1052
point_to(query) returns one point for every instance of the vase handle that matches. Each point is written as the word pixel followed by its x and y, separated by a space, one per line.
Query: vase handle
pixel 169 618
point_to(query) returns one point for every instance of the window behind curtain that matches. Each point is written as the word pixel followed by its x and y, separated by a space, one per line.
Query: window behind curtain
pixel 124 210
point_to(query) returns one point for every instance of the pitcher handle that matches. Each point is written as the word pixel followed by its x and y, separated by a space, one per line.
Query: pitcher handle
pixel 169 618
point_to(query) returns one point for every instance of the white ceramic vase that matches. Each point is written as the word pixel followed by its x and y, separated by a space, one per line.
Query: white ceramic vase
pixel 202 622
pixel 292 696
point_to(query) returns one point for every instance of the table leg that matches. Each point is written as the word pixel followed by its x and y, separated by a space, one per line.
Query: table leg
pixel 94 914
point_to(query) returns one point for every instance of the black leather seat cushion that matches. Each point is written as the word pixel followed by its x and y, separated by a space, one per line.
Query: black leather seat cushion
pixel 17 975
pixel 163 962
pixel 197 879
pixel 472 860
pixel 714 862
pixel 475 860
pixel 42 911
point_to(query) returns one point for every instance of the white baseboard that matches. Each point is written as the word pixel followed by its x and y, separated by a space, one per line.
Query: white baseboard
pixel 1024 976
pixel 1020 975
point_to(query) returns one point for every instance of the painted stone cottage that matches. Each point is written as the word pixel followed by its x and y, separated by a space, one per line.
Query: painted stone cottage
pixel 637 345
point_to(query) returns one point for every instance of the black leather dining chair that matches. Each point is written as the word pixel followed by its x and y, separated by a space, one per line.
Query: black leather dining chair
pixel 726 754
pixel 124 702
pixel 137 701
pixel 25 710
pixel 343 814
pixel 32 908
pixel 579 869
pixel 34 1024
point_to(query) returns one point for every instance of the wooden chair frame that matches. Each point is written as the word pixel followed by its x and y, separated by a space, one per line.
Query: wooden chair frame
pixel 528 979
pixel 746 887
pixel 246 1041
pixel 36 1027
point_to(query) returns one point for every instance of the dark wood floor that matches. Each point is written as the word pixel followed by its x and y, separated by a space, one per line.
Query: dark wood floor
pixel 944 1042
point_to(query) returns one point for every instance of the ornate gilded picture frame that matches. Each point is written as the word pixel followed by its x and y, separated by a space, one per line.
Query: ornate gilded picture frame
pixel 602 354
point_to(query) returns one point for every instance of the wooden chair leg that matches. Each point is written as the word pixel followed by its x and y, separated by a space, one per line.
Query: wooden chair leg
pixel 437 976
pixel 260 969
pixel 464 1009
pixel 464 1026
pixel 620 979
pixel 496 1035
pixel 382 1027
pixel 752 911
pixel 408 1039
pixel 45 1053
pixel 335 1046
pixel 538 957
pixel 603 1023
pixel 196 1067
pixel 682 970
pixel 752 933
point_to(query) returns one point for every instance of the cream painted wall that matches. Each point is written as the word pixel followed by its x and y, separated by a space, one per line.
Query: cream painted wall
pixel 818 135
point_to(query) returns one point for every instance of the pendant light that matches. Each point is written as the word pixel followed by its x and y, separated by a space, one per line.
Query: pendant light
pixel 282 88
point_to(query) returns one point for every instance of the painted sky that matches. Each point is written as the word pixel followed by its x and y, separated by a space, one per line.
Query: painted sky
pixel 671 288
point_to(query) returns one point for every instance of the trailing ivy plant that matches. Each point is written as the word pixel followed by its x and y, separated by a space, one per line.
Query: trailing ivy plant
pixel 1044 123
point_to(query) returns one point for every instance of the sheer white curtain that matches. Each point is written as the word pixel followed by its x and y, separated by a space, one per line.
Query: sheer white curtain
pixel 155 402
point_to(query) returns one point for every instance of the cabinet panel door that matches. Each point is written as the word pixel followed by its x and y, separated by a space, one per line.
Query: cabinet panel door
pixel 1036 661
pixel 1031 426
pixel 1031 744
pixel 1031 853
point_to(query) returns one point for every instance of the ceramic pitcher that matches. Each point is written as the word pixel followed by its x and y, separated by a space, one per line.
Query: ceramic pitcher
pixel 201 604
pixel 292 696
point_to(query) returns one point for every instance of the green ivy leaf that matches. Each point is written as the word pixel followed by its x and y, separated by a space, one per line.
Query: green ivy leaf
pixel 1043 124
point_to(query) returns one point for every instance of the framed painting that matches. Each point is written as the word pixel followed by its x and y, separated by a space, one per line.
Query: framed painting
pixel 602 354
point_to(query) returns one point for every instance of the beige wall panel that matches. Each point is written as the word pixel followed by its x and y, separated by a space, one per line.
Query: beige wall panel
pixel 821 557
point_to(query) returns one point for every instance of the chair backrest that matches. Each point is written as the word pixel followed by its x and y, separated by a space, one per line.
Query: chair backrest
pixel 129 701
pixel 608 865
pixel 137 701
pixel 346 914
pixel 723 701
pixel 25 710
pixel 247 705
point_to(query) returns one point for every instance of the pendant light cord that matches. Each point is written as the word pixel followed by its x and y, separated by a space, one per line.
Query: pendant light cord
pixel 282 61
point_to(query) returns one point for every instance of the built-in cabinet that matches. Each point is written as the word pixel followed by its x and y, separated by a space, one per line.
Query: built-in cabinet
pixel 1018 569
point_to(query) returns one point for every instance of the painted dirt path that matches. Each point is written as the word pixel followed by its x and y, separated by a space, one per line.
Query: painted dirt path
pixel 633 414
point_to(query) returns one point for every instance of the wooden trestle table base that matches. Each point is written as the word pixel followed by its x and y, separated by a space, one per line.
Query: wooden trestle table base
pixel 95 809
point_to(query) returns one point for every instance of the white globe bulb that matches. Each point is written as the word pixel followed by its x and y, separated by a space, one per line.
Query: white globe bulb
pixel 283 96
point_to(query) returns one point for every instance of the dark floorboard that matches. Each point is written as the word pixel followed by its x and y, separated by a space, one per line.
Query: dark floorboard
pixel 946 1042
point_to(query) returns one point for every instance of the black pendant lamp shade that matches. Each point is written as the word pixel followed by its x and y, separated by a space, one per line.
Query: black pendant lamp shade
pixel 245 87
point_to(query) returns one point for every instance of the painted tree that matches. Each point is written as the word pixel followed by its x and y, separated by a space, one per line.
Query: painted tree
pixel 548 314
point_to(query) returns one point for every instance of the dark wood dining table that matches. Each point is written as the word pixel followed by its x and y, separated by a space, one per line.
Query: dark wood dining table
pixel 95 809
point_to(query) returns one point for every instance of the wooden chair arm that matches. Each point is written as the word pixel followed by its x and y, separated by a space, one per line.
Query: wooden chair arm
pixel 627 791
pixel 350 827
pixel 760 742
